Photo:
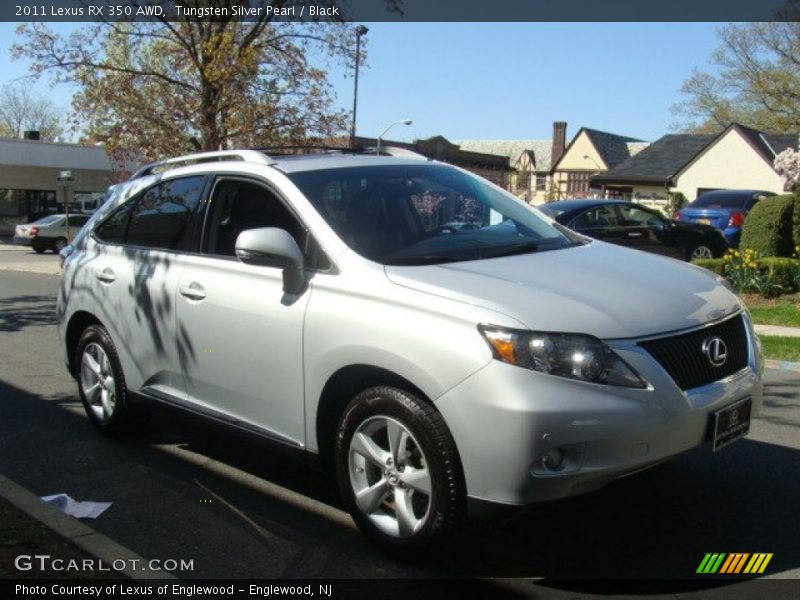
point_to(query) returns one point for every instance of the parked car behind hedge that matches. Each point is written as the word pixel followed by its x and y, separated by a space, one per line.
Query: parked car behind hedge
pixel 724 209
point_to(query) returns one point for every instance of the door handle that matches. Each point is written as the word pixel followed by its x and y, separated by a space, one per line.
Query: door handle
pixel 193 291
pixel 634 234
pixel 106 275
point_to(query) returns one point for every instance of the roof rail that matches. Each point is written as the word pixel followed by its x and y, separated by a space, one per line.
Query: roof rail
pixel 397 152
pixel 300 149
pixel 292 149
pixel 202 157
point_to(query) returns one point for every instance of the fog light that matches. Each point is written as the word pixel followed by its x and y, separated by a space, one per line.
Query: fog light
pixel 552 459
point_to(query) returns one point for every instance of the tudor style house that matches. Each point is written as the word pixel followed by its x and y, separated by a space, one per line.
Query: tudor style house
pixel 545 170
pixel 737 158
pixel 590 153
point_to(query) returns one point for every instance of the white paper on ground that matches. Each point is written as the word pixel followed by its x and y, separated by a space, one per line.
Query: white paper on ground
pixel 79 510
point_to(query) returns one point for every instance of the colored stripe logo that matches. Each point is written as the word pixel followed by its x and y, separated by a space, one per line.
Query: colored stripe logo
pixel 734 562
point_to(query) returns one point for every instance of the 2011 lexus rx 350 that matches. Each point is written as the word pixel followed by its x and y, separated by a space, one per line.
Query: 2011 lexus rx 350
pixel 435 342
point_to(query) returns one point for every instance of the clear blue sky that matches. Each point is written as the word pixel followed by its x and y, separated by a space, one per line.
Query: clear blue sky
pixel 507 80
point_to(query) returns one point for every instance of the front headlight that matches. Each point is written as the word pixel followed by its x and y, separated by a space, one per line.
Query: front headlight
pixel 569 355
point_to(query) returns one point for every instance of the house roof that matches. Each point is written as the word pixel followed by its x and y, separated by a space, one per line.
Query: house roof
pixel 513 149
pixel 669 155
pixel 660 161
pixel 612 148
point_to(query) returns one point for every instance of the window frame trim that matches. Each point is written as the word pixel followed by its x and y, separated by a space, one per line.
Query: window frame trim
pixel 217 177
pixel 130 202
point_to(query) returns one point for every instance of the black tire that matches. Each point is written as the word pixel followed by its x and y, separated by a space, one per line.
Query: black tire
pixel 446 503
pixel 38 249
pixel 124 417
pixel 58 245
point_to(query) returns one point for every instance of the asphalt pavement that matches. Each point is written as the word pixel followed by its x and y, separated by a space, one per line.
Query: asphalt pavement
pixel 184 490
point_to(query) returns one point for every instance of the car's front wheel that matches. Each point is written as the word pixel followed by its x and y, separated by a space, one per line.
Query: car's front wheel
pixel 59 244
pixel 399 471
pixel 102 383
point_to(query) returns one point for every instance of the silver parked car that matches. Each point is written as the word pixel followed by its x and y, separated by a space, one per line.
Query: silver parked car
pixel 49 233
pixel 327 303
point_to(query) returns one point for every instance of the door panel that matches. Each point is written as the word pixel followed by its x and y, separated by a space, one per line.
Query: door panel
pixel 240 342
pixel 141 284
pixel 239 335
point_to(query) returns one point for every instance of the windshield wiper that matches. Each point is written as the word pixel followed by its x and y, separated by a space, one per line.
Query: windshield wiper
pixel 523 248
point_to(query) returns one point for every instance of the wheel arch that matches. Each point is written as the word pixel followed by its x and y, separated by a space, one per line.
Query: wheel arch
pixel 340 388
pixel 78 322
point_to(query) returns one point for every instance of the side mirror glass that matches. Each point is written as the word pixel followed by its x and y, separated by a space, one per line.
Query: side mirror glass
pixel 273 247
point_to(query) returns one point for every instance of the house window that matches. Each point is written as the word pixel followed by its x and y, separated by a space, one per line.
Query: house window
pixel 578 183
pixel 541 183
pixel 523 180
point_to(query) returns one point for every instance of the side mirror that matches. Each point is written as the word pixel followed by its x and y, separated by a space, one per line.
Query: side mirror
pixel 65 253
pixel 273 247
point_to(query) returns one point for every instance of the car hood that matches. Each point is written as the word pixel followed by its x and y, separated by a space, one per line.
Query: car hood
pixel 598 289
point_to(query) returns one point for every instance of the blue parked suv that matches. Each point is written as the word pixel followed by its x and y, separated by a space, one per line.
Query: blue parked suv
pixel 723 209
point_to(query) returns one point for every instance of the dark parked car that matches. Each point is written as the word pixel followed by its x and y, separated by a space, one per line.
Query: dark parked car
pixel 723 209
pixel 639 227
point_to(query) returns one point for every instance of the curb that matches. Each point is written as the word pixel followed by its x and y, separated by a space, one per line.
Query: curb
pixel 782 365
pixel 80 535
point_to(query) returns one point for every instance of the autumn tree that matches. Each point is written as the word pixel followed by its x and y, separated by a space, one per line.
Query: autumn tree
pixel 153 89
pixel 20 110
pixel 756 81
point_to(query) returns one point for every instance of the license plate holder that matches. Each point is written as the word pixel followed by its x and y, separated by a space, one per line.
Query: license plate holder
pixel 731 423
pixel 704 221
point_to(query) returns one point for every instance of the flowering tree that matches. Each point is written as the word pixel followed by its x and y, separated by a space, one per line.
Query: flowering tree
pixel 787 164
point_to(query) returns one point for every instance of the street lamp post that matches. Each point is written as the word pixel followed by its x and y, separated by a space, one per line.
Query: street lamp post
pixel 360 31
pixel 385 131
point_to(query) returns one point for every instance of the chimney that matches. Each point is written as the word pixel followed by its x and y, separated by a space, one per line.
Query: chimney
pixel 559 140
pixel 31 134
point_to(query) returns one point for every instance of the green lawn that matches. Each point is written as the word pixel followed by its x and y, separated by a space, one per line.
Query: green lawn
pixel 781 348
pixel 784 310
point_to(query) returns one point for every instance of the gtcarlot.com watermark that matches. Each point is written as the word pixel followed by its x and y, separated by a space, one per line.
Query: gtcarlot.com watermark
pixel 47 563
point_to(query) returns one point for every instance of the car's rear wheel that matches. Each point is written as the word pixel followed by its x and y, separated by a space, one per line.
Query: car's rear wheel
pixel 59 244
pixel 700 250
pixel 102 383
pixel 399 471
pixel 38 249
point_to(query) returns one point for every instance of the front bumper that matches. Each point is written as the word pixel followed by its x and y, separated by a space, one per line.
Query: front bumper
pixel 506 419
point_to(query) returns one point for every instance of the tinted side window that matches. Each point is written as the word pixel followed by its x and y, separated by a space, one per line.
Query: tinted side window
pixel 238 205
pixel 596 218
pixel 637 217
pixel 166 214
pixel 77 220
pixel 113 229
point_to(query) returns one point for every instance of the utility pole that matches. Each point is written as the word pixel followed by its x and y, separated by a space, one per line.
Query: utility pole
pixel 360 31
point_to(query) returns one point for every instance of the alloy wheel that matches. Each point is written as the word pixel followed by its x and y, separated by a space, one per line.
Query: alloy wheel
pixel 389 476
pixel 702 252
pixel 97 382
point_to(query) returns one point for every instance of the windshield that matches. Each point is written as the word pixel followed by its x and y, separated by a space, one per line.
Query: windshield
pixel 426 214
pixel 722 201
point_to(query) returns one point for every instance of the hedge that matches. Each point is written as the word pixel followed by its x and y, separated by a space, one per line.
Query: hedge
pixel 779 271
pixel 769 229
pixel 716 265
pixel 796 223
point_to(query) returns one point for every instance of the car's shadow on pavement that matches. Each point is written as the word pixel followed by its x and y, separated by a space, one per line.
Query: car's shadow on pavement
pixel 658 524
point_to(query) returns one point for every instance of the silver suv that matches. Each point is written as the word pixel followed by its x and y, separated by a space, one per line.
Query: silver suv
pixel 331 304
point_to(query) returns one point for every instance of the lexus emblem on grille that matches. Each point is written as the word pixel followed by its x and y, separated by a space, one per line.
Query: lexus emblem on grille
pixel 716 351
